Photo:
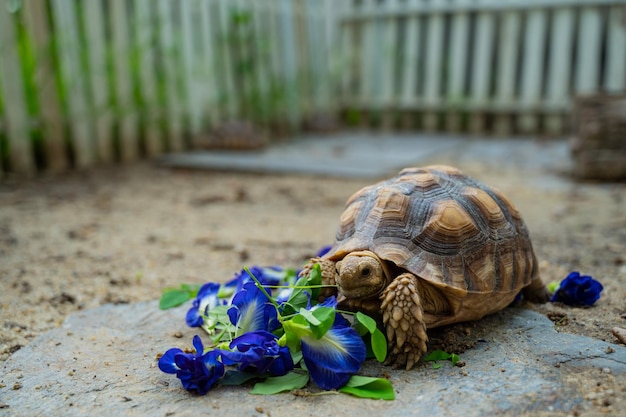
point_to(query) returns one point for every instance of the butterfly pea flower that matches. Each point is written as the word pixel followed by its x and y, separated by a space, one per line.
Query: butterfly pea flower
pixel 577 290
pixel 198 372
pixel 251 310
pixel 324 250
pixel 259 352
pixel 206 299
pixel 270 276
pixel 335 357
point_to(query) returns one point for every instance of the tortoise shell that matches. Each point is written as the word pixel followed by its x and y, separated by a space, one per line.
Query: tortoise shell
pixel 446 228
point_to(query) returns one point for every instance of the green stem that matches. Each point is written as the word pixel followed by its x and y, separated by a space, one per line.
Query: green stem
pixel 263 290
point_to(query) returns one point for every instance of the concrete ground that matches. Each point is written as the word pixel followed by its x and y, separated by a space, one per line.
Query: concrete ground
pixel 83 256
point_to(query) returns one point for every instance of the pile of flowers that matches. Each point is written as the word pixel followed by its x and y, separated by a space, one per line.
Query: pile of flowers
pixel 266 325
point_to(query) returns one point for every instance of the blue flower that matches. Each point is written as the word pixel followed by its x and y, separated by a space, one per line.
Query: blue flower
pixel 324 250
pixel 577 290
pixel 251 310
pixel 271 276
pixel 197 372
pixel 336 356
pixel 205 301
pixel 259 351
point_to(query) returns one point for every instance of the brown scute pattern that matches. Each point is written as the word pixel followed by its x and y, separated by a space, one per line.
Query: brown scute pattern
pixel 443 226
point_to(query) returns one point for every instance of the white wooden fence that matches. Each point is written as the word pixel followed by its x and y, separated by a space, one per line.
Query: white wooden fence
pixel 481 65
pixel 89 82
pixel 84 82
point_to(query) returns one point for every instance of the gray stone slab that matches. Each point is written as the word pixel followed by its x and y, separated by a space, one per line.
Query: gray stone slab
pixel 346 155
pixel 103 361
pixel 367 155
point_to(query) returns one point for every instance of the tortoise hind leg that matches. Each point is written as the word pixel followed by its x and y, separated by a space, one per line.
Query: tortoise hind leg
pixel 536 291
pixel 403 318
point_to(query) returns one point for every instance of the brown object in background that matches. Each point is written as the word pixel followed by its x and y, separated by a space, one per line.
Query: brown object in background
pixel 599 144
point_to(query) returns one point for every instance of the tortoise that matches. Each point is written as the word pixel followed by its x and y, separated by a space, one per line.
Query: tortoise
pixel 426 248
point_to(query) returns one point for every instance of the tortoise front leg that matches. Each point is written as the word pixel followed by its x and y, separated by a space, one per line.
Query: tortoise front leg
pixel 403 318
pixel 329 274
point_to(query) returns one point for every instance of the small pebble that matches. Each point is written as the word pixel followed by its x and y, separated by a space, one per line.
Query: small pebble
pixel 17 386
pixel 606 370
pixel 609 349
pixel 178 335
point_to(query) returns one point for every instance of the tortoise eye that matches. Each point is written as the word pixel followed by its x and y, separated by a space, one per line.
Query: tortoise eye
pixel 365 271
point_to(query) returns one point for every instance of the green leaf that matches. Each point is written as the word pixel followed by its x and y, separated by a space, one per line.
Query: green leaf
pixel 378 341
pixel 173 297
pixel 326 317
pixel 368 387
pixel 276 384
pixel 298 299
pixel 379 345
pixel 315 278
pixel 440 355
pixel 308 315
pixel 368 322
pixel 232 377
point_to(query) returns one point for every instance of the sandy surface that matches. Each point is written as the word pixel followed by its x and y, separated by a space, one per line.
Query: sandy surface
pixel 122 234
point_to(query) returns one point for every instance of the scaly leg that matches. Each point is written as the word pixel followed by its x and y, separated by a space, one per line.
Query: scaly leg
pixel 329 273
pixel 403 319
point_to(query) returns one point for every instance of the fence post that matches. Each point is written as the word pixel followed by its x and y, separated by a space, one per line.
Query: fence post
pixel 532 68
pixel 52 121
pixel 482 68
pixel 456 94
pixel 145 42
pixel 15 109
pixel 615 74
pixel 505 71
pixel 559 72
pixel 95 40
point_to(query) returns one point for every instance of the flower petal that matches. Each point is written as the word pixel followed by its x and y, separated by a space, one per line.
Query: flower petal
pixel 205 300
pixel 167 363
pixel 339 353
pixel 259 350
pixel 251 310
pixel 578 290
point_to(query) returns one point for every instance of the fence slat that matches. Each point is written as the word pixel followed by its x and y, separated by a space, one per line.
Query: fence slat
pixel 456 92
pixel 532 66
pixel 73 78
pixel 589 51
pixel 125 109
pixel 368 57
pixel 144 38
pixel 227 92
pixel 288 46
pixel 433 58
pixel 52 122
pixel 193 104
pixel 169 59
pixel 411 60
pixel 559 74
pixel 506 71
pixel 95 39
pixel 481 69
pixel 206 62
pixel 615 70
pixel 15 110
pixel 388 29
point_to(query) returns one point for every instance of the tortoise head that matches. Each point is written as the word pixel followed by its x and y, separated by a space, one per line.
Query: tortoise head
pixel 361 275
